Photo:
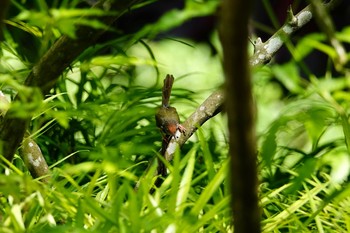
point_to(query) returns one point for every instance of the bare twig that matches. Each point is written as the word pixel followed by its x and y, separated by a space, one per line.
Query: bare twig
pixel 264 52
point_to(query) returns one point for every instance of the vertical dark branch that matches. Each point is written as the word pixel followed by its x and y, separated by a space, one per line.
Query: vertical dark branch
pixel 3 9
pixel 239 104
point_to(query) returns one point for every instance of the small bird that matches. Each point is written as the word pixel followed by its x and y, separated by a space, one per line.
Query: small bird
pixel 167 118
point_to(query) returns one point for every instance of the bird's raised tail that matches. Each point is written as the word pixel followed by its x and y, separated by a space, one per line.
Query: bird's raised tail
pixel 168 84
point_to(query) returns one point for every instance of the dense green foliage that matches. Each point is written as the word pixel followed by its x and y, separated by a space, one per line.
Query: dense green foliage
pixel 97 131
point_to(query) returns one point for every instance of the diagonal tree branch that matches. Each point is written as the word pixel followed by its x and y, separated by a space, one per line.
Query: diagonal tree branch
pixel 46 72
pixel 66 49
pixel 213 105
pixel 208 109
pixel 265 51
pixel 263 54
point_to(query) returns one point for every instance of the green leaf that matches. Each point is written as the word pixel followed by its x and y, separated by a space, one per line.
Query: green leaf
pixel 288 74
pixel 185 183
pixel 316 120
pixel 174 18
pixel 346 130
pixel 109 61
pixel 210 189
pixel 303 172
pixel 269 143
pixel 304 47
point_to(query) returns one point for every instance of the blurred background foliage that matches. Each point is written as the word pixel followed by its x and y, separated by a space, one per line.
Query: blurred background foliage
pixel 97 131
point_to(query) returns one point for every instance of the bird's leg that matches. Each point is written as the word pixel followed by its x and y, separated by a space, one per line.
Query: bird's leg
pixel 181 128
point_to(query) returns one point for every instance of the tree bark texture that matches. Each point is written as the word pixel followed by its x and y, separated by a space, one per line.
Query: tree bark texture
pixel 233 31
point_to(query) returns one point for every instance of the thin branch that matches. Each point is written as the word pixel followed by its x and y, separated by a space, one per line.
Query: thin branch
pixel 208 109
pixel 263 54
pixel 265 51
